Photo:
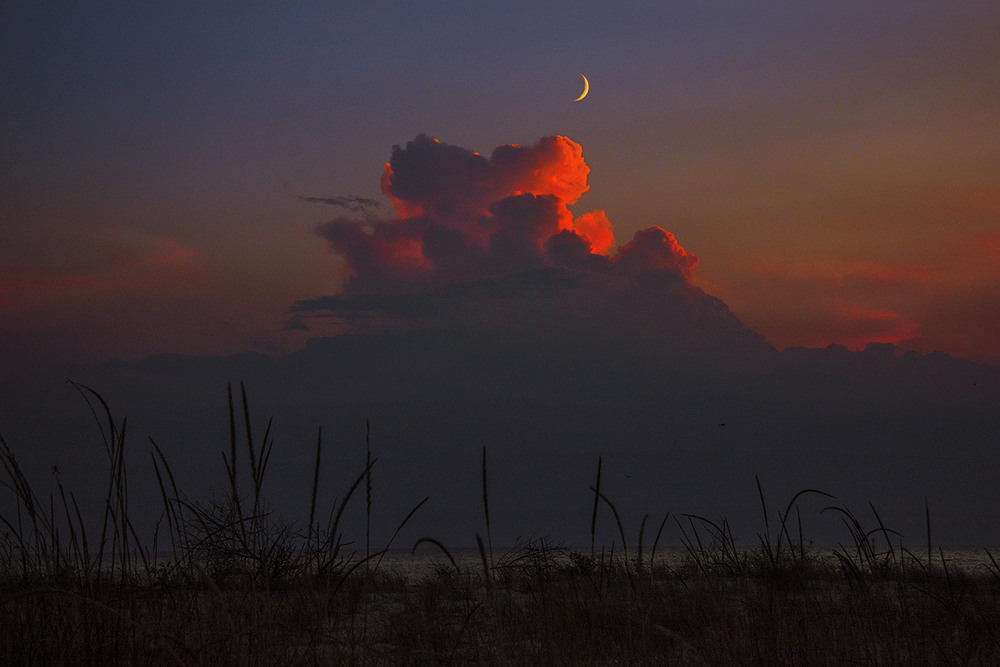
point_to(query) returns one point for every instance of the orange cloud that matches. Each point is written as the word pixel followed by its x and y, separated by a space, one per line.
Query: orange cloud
pixel 456 185
pixel 596 228
pixel 554 166
pixel 461 216
pixel 464 222
pixel 655 248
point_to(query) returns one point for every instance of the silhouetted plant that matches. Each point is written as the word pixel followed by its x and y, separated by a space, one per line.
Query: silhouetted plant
pixel 245 586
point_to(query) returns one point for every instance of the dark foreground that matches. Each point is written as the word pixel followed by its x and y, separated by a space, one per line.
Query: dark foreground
pixel 242 587
pixel 534 606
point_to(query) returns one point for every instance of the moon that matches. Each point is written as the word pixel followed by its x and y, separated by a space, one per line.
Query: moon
pixel 586 89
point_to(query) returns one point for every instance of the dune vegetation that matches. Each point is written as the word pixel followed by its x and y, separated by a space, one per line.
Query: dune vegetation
pixel 223 581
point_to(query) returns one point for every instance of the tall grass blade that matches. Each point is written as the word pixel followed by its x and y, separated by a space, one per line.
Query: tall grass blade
pixel 486 506
pixel 486 565
pixel 927 514
pixel 443 548
pixel 652 555
pixel 315 482
pixel 172 503
pixel 618 520
pixel 638 550
pixel 399 528
pixel 246 426
pixel 996 567
pixel 231 463
pixel 891 553
pixel 593 516
pixel 368 487
pixel 688 545
pixel 335 526
pixel 788 509
pixel 766 539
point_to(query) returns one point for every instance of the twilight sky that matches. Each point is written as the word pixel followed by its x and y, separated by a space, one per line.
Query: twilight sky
pixel 835 166
pixel 185 185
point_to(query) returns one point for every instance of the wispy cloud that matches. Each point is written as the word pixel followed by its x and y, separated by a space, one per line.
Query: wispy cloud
pixel 354 204
pixel 116 262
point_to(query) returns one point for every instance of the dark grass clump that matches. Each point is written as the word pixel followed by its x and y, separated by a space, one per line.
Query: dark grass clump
pixel 243 586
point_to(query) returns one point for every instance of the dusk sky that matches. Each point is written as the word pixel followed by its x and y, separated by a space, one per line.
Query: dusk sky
pixel 834 166
pixel 742 254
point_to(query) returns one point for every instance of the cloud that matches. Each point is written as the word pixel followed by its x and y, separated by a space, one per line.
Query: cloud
pixel 431 178
pixel 354 204
pixel 461 218
pixel 105 262
pixel 654 249
pixel 491 245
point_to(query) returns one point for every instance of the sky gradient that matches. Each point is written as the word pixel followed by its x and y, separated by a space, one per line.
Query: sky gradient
pixel 738 256
pixel 835 167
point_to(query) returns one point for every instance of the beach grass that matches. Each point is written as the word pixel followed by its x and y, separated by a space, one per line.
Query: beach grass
pixel 241 586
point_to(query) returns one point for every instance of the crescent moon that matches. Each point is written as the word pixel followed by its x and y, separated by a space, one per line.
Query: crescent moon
pixel 586 89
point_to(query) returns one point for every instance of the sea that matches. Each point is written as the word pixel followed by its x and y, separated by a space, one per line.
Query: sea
pixel 429 560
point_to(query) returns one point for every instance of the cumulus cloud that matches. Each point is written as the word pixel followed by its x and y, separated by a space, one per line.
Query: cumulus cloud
pixel 655 249
pixel 460 217
pixel 490 244
pixel 431 178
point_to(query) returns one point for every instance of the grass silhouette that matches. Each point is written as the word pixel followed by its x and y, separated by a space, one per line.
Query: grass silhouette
pixel 243 586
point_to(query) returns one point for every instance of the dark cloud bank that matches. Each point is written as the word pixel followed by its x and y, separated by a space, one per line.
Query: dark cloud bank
pixel 484 314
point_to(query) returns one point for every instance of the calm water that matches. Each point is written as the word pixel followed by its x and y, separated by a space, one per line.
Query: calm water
pixel 428 559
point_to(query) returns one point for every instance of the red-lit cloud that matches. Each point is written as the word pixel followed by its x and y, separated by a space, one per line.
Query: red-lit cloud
pixel 461 216
pixel 655 248
pixel 492 243
pixel 456 185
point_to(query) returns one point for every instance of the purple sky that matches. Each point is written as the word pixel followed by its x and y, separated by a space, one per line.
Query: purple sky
pixel 833 165
pixel 212 192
